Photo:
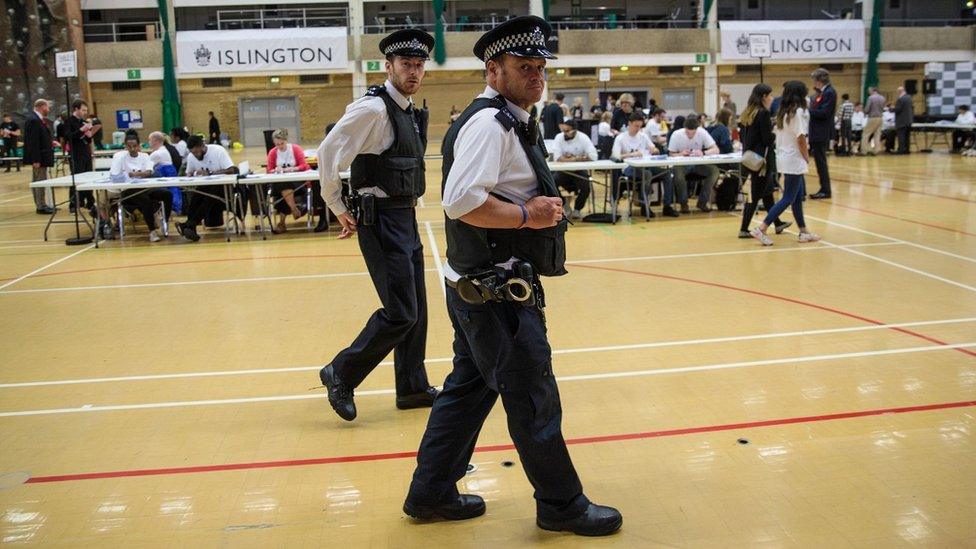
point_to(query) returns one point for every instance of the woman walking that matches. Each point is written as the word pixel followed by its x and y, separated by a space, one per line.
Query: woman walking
pixel 756 134
pixel 792 158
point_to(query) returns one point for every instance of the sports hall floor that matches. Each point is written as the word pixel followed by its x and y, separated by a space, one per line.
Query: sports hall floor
pixel 719 393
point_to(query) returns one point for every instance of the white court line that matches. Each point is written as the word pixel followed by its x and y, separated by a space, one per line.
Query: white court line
pixel 49 265
pixel 437 256
pixel 586 377
pixel 892 239
pixel 190 282
pixel 608 348
pixel 12 192
pixel 904 267
pixel 437 261
pixel 15 199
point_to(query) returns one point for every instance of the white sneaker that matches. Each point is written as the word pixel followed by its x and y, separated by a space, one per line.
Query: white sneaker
pixel 761 236
pixel 159 219
pixel 154 236
pixel 576 215
pixel 808 237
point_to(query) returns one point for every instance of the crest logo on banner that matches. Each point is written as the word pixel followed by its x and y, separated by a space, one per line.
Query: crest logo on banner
pixel 203 56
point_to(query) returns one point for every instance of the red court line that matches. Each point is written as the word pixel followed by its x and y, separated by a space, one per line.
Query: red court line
pixel 893 188
pixel 499 447
pixel 905 219
pixel 780 298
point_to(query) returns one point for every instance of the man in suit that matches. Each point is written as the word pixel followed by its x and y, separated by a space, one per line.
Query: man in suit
pixel 78 132
pixel 822 110
pixel 904 115
pixel 552 117
pixel 38 151
pixel 214 129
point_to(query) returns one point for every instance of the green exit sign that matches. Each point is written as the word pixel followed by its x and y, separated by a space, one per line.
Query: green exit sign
pixel 133 74
pixel 373 65
pixel 701 58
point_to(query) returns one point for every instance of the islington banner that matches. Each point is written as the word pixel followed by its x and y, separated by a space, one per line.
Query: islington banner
pixel 261 50
pixel 816 39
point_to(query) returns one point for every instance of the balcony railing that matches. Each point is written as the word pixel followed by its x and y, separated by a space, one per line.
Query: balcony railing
pixel 464 24
pixel 282 18
pixel 957 22
pixel 137 31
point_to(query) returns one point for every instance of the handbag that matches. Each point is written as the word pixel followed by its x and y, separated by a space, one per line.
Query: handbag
pixel 753 161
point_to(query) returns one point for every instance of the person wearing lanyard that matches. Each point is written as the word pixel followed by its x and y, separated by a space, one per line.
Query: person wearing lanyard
pixel 505 227
pixel 382 137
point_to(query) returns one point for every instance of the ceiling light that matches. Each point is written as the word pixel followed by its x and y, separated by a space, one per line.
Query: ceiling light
pixel 560 71
pixel 625 68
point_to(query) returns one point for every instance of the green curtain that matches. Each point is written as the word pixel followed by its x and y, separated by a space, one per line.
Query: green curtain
pixel 874 49
pixel 172 112
pixel 706 7
pixel 440 52
pixel 545 9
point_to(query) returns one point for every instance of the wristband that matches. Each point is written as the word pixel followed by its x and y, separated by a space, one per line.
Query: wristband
pixel 525 216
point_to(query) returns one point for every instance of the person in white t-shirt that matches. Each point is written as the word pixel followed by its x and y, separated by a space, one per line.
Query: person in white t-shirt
pixel 693 140
pixel 657 129
pixel 792 160
pixel 178 137
pixel 572 145
pixel 130 164
pixel 633 143
pixel 960 137
pixel 204 160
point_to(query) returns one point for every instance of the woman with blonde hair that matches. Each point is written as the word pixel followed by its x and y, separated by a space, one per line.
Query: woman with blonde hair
pixel 756 135
pixel 621 114
pixel 287 157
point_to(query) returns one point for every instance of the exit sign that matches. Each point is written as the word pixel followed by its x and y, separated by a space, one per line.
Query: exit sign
pixel 373 66
pixel 701 58
pixel 133 74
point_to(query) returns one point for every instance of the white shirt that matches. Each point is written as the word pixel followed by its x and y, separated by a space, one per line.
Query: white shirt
pixel 681 142
pixel 123 163
pixel 888 120
pixel 286 158
pixel 365 128
pixel 653 129
pixel 161 157
pixel 181 148
pixel 580 145
pixel 788 157
pixel 858 120
pixel 967 117
pixel 603 129
pixel 625 143
pixel 215 159
pixel 487 159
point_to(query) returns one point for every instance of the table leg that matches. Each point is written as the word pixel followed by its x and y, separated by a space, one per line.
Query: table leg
pixel 54 213
pixel 228 205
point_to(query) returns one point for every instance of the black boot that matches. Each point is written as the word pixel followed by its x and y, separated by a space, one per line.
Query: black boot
pixel 466 506
pixel 596 520
pixel 424 399
pixel 323 223
pixel 340 395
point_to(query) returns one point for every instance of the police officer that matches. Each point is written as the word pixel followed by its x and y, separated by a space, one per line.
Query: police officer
pixel 505 227
pixel 383 136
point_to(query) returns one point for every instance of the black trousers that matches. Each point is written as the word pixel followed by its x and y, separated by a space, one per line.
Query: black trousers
pixel 761 188
pixel 500 349
pixel 818 149
pixel 572 182
pixel 148 203
pixel 81 164
pixel 201 204
pixel 395 259
pixel 903 135
pixel 959 138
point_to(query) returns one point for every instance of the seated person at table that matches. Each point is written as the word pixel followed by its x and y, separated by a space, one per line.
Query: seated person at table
pixel 858 121
pixel 693 140
pixel 633 143
pixel 287 157
pixel 132 163
pixel 166 161
pixel 202 161
pixel 178 137
pixel 657 129
pixel 959 137
pixel 572 146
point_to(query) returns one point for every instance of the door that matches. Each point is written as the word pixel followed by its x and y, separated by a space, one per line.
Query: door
pixel 258 115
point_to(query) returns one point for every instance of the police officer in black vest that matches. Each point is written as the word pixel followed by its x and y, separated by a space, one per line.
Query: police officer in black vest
pixel 504 230
pixel 383 136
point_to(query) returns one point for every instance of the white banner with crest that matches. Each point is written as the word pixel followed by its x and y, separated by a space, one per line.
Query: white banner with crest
pixel 261 50
pixel 815 39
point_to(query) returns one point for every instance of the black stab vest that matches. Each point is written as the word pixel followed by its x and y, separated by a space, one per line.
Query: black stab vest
pixel 471 249
pixel 399 170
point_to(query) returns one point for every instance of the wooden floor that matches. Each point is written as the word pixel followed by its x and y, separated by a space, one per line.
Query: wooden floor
pixel 719 393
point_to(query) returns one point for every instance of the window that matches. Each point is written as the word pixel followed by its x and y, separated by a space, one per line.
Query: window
pixel 313 79
pixel 671 69
pixel 678 101
pixel 217 82
pixel 833 67
pixel 583 71
pixel 753 4
pixel 902 66
pixel 747 69
pixel 127 85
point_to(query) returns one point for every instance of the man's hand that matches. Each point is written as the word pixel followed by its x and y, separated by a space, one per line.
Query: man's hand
pixel 348 225
pixel 544 211
pixel 696 152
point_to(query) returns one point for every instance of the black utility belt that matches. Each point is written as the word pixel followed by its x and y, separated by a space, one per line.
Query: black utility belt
pixel 368 206
pixel 517 284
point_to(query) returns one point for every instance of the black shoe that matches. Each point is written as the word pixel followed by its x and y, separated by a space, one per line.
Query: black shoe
pixel 685 209
pixel 780 227
pixel 670 212
pixel 340 395
pixel 745 234
pixel 819 195
pixel 46 210
pixel 187 232
pixel 597 520
pixel 417 400
pixel 323 223
pixel 466 506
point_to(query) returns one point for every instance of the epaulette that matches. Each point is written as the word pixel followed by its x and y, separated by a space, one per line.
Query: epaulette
pixel 375 91
pixel 504 116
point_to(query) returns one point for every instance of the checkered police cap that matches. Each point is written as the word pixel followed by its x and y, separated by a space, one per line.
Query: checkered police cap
pixel 408 43
pixel 525 36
